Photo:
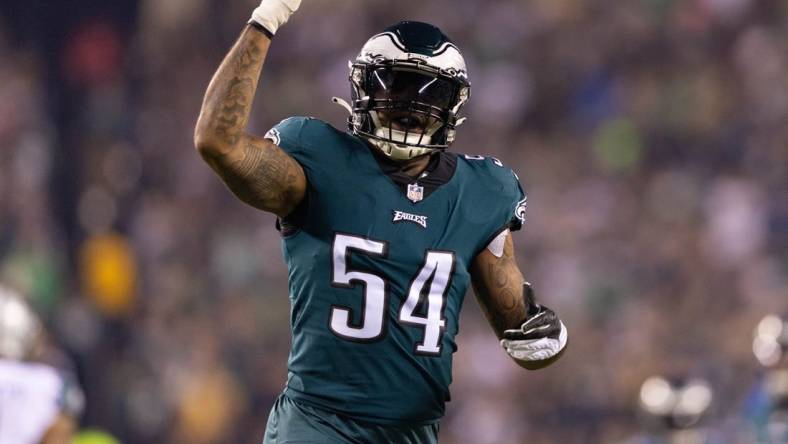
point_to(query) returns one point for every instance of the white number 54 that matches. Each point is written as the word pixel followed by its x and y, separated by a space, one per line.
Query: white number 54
pixel 437 269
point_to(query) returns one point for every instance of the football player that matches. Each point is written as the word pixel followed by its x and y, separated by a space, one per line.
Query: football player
pixel 383 229
pixel 38 403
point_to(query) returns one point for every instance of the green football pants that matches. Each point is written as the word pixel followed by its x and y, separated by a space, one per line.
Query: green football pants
pixel 292 422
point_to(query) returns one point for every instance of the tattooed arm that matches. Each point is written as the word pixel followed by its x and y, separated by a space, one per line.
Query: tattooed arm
pixel 255 169
pixel 526 329
pixel 498 284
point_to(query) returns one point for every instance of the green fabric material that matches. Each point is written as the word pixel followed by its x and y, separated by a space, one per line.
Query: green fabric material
pixel 291 422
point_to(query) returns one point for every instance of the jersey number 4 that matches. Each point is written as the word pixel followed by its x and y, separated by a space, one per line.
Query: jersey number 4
pixel 436 270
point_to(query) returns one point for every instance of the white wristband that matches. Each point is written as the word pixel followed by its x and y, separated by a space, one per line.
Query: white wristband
pixel 271 14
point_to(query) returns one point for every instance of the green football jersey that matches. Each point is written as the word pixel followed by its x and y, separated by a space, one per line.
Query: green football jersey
pixel 378 266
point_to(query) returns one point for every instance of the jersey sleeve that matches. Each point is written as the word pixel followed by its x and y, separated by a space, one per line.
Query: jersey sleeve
pixel 308 142
pixel 510 201
pixel 287 134
pixel 517 203
pixel 295 136
pixel 498 195
pixel 513 201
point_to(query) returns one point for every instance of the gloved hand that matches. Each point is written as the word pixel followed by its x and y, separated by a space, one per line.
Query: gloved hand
pixel 271 14
pixel 541 336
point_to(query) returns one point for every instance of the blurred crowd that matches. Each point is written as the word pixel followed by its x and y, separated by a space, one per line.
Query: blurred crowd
pixel 651 137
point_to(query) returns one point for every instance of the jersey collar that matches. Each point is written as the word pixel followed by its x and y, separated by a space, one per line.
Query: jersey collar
pixel 439 171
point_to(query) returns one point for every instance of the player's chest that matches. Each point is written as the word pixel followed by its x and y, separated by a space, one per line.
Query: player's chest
pixel 377 208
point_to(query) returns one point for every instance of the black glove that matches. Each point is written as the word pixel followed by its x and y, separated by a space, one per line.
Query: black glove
pixel 541 336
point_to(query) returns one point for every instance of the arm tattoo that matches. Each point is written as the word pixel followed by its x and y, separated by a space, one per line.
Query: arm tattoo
pixel 257 171
pixel 230 121
pixel 266 177
pixel 498 284
pixel 231 93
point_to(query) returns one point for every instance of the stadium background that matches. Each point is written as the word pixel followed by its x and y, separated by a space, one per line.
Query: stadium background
pixel 650 135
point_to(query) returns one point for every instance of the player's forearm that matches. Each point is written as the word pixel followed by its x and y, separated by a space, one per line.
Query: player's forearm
pixel 498 282
pixel 228 100
pixel 503 306
pixel 531 334
pixel 505 310
pixel 256 171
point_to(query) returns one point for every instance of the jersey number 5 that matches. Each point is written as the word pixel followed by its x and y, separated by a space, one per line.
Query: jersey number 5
pixel 436 270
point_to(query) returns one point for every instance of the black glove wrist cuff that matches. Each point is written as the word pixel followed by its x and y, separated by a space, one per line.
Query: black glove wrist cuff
pixel 531 307
pixel 261 28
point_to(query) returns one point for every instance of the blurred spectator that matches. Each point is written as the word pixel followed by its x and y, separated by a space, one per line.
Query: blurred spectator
pixel 39 402
pixel 766 409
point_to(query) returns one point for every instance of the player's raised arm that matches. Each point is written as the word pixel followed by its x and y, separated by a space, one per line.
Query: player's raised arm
pixel 530 333
pixel 255 169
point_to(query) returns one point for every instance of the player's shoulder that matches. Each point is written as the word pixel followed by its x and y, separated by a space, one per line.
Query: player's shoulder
pixel 489 170
pixel 497 185
pixel 317 146
pixel 301 130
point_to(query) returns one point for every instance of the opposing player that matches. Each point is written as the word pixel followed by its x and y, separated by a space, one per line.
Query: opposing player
pixel 38 404
pixel 383 228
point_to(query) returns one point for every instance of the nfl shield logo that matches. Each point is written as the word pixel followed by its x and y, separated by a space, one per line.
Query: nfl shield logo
pixel 415 192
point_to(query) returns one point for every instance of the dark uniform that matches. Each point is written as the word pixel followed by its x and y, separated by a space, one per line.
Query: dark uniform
pixel 378 266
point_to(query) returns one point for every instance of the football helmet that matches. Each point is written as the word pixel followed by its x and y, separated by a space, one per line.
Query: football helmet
pixel 408 85
pixel 19 326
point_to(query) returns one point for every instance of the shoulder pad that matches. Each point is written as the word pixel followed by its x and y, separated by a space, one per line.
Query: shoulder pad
pixel 490 166
pixel 504 182
pixel 298 130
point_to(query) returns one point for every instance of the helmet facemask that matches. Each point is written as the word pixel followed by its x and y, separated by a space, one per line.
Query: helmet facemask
pixel 406 109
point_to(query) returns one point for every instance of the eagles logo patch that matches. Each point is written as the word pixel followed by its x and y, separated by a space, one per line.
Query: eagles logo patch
pixel 273 136
pixel 519 211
